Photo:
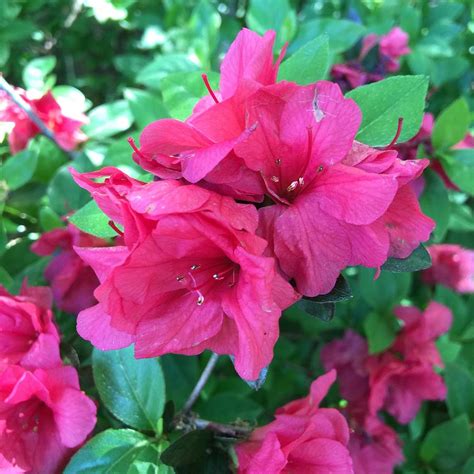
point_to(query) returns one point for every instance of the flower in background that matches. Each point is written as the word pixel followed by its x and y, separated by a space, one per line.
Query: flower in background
pixel 392 47
pixel 64 123
pixel 28 334
pixel 44 418
pixel 191 276
pixel 72 281
pixel 452 266
pixel 302 438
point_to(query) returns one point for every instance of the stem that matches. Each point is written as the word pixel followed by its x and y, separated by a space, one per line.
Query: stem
pixel 200 383
pixel 18 100
pixel 228 430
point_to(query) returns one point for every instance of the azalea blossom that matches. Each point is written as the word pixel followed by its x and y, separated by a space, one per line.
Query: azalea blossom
pixel 72 281
pixel 392 47
pixel 44 418
pixel 336 202
pixel 28 334
pixel 201 149
pixel 452 266
pixel 191 275
pixel 303 438
pixel 64 124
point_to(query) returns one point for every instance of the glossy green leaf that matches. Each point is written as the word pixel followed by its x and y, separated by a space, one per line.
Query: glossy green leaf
pixel 91 219
pixel 109 119
pixel 380 330
pixel 36 72
pixel 188 449
pixel 451 125
pixel 459 166
pixel 145 106
pixel 132 389
pixel 384 103
pixel 418 260
pixel 309 64
pixel 19 169
pixel 460 398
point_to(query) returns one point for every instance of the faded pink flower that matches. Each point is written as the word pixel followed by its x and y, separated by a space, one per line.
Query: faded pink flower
pixel 202 148
pixel 191 275
pixel 72 281
pixel 303 438
pixel 28 334
pixel 393 46
pixel 337 202
pixel 44 417
pixel 65 124
pixel 453 266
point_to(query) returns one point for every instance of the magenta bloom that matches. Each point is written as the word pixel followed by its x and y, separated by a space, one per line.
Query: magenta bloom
pixel 191 275
pixel 65 124
pixel 202 148
pixel 303 438
pixel 376 448
pixel 393 46
pixel 403 377
pixel 337 202
pixel 28 334
pixel 453 266
pixel 44 417
pixel 73 282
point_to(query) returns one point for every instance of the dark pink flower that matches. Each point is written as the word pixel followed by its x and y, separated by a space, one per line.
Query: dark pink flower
pixel 28 335
pixel 202 148
pixel 191 276
pixel 72 281
pixel 65 124
pixel 337 203
pixel 303 438
pixel 44 417
pixel 392 47
pixel 375 448
pixel 453 266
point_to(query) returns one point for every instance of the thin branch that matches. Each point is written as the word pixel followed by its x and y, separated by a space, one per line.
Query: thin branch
pixel 18 100
pixel 200 383
pixel 226 430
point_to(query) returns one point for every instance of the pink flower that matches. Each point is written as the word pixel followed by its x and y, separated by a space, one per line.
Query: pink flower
pixel 393 46
pixel 202 148
pixel 453 266
pixel 72 281
pixel 44 416
pixel 191 275
pixel 303 438
pixel 65 124
pixel 337 203
pixel 28 334
pixel 375 448
pixel 403 377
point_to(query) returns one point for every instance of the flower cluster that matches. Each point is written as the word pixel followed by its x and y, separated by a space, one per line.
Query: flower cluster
pixel 200 271
pixel 397 381
pixel 64 124
pixel 302 438
pixel 44 416
pixel 378 56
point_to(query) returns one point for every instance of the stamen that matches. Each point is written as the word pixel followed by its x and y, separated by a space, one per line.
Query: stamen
pixel 397 135
pixel 131 141
pixel 114 226
pixel 200 300
pixel 278 161
pixel 320 168
pixel 301 181
pixel 275 179
pixel 208 87
pixel 292 186
pixel 180 278
pixel 195 267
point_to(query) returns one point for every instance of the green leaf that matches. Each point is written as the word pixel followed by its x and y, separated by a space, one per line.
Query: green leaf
pixel 69 96
pixel 108 120
pixel 228 407
pixel 418 260
pixel 451 125
pixel 181 374
pixel 323 311
pixel 459 166
pixel 133 390
pixel 341 292
pixel 91 219
pixel 460 398
pixel 19 169
pixel 48 219
pixel 384 102
pixel 381 330
pixel 35 74
pixel 309 64
pixel 188 449
pixel 181 91
pixel 342 34
pixel 446 446
pixel 435 203
pixel 112 451
pixel 163 65
pixel 145 106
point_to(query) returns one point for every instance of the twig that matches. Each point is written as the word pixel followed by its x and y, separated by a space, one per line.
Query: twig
pixel 200 383
pixel 48 133
pixel 227 430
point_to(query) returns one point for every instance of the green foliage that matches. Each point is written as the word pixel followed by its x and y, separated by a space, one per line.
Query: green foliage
pixel 92 220
pixel 451 125
pixel 384 103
